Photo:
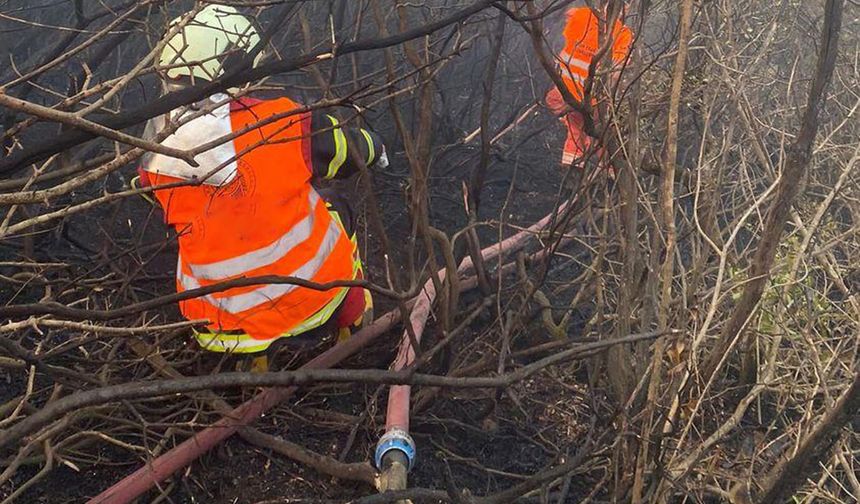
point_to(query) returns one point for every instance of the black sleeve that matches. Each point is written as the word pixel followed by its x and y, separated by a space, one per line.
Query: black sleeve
pixel 331 147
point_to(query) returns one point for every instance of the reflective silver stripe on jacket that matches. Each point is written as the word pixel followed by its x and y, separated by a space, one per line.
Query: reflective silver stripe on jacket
pixel 575 77
pixel 571 60
pixel 266 293
pixel 261 257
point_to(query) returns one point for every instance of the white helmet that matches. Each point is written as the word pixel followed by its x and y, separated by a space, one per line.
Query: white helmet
pixel 215 35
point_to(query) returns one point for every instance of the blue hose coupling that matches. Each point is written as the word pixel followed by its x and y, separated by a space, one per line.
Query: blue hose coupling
pixel 395 439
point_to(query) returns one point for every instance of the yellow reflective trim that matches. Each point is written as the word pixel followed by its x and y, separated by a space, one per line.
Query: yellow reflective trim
pixel 230 343
pixel 371 153
pixel 135 184
pixel 339 149
pixel 336 217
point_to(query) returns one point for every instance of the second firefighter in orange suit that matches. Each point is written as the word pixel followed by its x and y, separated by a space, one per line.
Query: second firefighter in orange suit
pixel 253 210
pixel 581 43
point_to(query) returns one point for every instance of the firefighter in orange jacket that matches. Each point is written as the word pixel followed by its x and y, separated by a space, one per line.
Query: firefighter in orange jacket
pixel 581 43
pixel 253 210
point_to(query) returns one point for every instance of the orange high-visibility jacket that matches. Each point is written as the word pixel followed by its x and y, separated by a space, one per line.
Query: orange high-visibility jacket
pixel 257 215
pixel 581 43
